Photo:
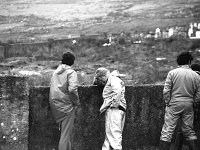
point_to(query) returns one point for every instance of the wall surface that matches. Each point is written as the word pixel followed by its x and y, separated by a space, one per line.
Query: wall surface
pixel 1 52
pixel 144 119
pixel 27 50
pixel 42 50
pixel 14 110
pixel 27 123
pixel 43 131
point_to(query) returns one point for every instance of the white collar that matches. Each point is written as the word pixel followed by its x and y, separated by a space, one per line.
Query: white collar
pixel 185 66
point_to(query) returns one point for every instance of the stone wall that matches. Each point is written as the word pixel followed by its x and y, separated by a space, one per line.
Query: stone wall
pixel 14 110
pixel 44 50
pixel 27 49
pixel 43 131
pixel 144 119
pixel 27 123
pixel 1 53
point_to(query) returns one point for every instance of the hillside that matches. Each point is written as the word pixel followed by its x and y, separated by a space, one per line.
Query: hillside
pixel 42 19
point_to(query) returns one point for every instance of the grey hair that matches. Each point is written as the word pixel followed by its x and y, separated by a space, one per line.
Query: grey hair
pixel 99 73
pixel 102 71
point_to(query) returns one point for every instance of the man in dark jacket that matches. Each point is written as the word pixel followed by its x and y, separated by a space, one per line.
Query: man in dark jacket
pixel 64 99
pixel 181 89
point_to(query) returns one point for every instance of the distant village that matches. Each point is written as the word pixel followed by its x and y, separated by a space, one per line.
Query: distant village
pixel 192 32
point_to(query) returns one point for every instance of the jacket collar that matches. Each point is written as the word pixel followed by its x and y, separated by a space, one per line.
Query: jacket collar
pixel 61 68
pixel 185 66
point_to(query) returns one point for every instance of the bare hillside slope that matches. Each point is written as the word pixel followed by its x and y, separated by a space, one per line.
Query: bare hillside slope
pixel 59 18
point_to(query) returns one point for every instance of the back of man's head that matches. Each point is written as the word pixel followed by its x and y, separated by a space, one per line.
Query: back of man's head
pixel 184 58
pixel 68 58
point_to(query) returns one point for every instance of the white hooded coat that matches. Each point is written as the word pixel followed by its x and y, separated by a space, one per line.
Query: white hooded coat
pixel 63 92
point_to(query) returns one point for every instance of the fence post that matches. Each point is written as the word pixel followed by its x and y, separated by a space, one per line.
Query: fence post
pixel 50 46
pixel 2 56
pixel 6 50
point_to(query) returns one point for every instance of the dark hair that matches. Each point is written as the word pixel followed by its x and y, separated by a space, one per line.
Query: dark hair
pixel 184 58
pixel 195 67
pixel 68 58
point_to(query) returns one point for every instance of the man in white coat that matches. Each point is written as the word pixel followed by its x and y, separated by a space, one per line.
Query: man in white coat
pixel 114 106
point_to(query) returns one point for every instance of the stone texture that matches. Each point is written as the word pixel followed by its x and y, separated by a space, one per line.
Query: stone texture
pixel 43 131
pixel 14 110
pixel 1 53
pixel 144 119
pixel 89 125
pixel 21 106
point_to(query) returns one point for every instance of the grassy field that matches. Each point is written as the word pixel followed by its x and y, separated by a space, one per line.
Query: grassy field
pixel 25 20
pixel 144 63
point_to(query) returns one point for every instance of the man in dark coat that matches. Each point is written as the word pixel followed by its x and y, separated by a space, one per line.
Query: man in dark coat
pixel 64 99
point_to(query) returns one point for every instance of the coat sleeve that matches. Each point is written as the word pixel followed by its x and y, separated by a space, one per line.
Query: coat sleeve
pixel 167 88
pixel 73 88
pixel 117 90
pixel 197 96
